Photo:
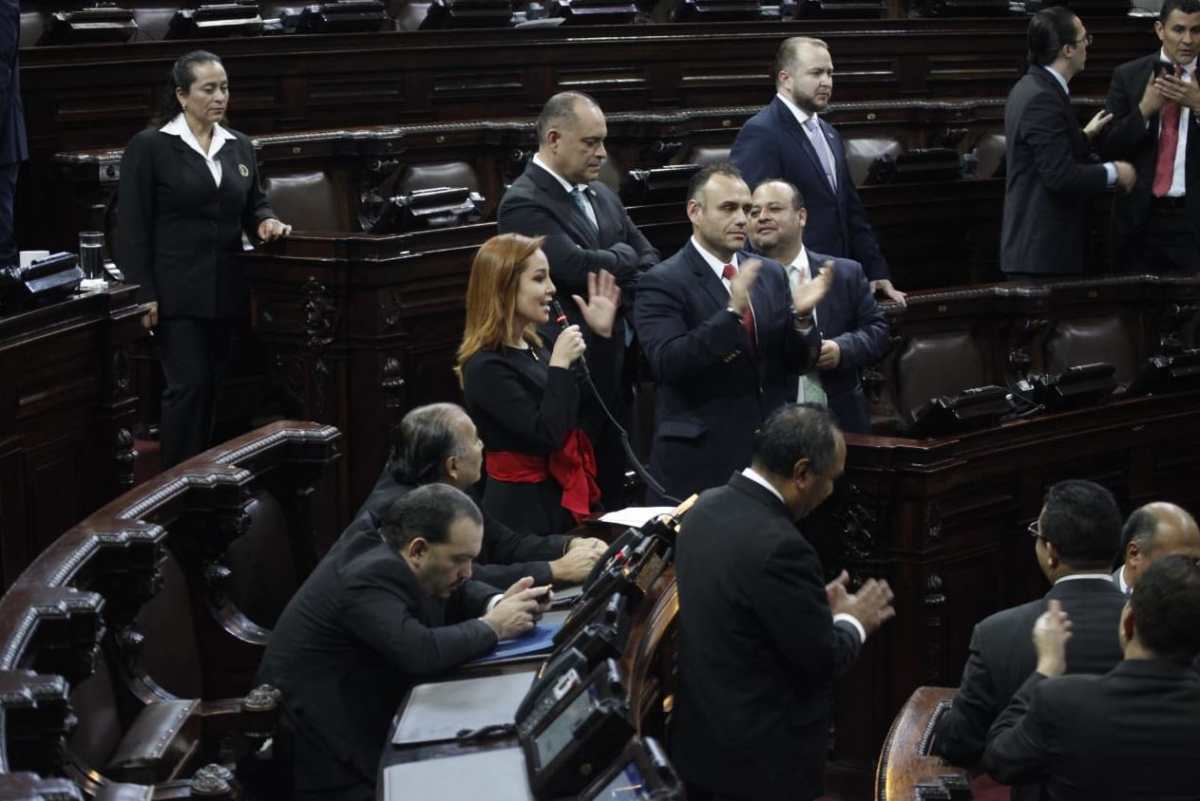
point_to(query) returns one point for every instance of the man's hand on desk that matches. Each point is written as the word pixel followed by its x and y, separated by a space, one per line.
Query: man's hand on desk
pixel 871 606
pixel 575 565
pixel 518 609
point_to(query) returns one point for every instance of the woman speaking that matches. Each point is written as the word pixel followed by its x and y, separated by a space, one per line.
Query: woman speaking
pixel 188 190
pixel 526 399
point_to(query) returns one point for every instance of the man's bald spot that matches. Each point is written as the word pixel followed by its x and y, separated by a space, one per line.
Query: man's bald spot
pixel 1174 526
pixel 562 110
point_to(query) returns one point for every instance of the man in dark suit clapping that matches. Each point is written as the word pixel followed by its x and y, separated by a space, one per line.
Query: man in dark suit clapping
pixel 1155 103
pixel 787 139
pixel 854 331
pixel 761 636
pixel 586 229
pixel 724 336
pixel 1049 167
pixel 13 148
pixel 1074 540
pixel 1129 735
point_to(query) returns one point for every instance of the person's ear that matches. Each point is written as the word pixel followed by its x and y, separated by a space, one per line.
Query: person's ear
pixel 803 213
pixel 1053 558
pixel 801 470
pixel 450 467
pixel 694 209
pixel 417 548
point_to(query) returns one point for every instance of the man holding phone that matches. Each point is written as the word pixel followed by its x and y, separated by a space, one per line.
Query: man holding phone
pixel 1155 101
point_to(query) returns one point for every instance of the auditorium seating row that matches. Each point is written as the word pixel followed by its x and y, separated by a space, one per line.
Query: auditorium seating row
pixel 128 647
pixel 99 96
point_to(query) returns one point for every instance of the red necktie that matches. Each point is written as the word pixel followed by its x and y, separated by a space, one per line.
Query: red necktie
pixel 729 273
pixel 1168 141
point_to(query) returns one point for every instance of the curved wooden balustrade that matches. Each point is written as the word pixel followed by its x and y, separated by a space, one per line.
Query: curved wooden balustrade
pixel 906 770
pixel 128 647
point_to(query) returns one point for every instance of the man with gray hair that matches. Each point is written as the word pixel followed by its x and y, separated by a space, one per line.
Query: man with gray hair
pixel 587 230
pixel 1152 532
pixel 439 443
pixel 788 140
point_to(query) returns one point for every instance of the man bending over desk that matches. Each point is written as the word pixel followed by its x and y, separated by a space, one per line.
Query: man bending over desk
pixel 384 610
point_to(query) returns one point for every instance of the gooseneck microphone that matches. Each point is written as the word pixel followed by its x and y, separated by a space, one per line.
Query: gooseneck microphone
pixel 560 319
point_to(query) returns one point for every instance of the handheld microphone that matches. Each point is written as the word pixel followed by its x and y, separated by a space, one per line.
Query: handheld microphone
pixel 560 319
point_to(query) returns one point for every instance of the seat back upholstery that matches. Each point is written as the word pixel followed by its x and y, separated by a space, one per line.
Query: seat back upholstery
pixel 451 174
pixel 862 152
pixel 708 154
pixel 308 201
pixel 989 156
pixel 937 363
pixel 1088 340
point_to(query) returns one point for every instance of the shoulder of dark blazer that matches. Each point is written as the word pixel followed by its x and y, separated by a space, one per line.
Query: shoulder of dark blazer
pixel 675 267
pixel 1138 67
pixel 376 563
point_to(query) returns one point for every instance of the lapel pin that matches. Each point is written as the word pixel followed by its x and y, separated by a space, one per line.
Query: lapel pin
pixel 244 170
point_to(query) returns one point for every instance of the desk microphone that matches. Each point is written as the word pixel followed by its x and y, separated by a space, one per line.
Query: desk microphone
pixel 560 319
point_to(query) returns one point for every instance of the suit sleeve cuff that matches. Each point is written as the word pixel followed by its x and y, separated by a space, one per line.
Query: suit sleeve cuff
pixel 854 624
pixel 1110 170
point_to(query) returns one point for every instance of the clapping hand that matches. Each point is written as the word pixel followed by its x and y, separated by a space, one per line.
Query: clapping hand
pixel 806 296
pixel 1050 635
pixel 600 309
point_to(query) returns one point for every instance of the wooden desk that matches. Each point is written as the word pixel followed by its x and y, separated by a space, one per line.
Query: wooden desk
pixel 67 408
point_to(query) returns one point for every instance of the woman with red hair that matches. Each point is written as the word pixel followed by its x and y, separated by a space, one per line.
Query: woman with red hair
pixel 527 401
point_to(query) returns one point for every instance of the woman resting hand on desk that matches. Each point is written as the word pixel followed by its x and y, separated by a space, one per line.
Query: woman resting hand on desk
pixel 188 190
pixel 532 409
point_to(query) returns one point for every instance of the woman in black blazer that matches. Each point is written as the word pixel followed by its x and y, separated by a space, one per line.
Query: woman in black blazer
pixel 188 190
pixel 535 419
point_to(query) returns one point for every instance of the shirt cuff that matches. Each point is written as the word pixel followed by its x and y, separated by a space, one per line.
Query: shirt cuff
pixel 845 617
pixel 1110 170
pixel 491 604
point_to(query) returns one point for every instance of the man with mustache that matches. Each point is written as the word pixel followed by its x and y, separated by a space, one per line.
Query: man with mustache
pixel 1155 103
pixel 725 337
pixel 560 197
pixel 788 140
pixel 384 610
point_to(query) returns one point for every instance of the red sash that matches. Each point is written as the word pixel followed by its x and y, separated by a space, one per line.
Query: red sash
pixel 573 466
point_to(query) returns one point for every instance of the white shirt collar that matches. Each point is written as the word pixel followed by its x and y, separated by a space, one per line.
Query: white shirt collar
pixel 1124 587
pixel 800 115
pixel 1188 68
pixel 567 186
pixel 178 127
pixel 712 261
pixel 1080 576
pixel 1061 80
pixel 750 473
pixel 801 264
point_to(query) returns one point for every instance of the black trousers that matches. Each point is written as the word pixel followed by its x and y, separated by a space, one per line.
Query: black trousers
pixel 195 354
pixel 1171 242
pixel 8 188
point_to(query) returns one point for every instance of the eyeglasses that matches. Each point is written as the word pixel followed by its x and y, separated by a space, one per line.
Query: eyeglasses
pixel 1035 530
pixel 1086 40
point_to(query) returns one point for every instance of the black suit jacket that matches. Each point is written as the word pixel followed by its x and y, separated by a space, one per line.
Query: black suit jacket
pixel 179 232
pixel 1050 173
pixel 758 649
pixel 352 641
pixel 13 147
pixel 1002 657
pixel 1134 139
pixel 849 315
pixel 713 391
pixel 505 557
pixel 1131 734
pixel 773 145
pixel 537 205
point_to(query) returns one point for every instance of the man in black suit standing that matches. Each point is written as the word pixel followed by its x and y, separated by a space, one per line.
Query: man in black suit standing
pixel 1155 103
pixel 1049 167
pixel 586 229
pixel 1129 735
pixel 761 636
pixel 384 610
pixel 439 443
pixel 1155 530
pixel 724 336
pixel 788 140
pixel 854 331
pixel 1075 538
pixel 13 149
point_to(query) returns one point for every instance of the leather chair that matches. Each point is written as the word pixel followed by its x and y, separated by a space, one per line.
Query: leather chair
pixel 308 201
pixel 989 156
pixel 153 22
pixel 708 154
pixel 863 152
pixel 1074 342
pixel 432 176
pixel 934 364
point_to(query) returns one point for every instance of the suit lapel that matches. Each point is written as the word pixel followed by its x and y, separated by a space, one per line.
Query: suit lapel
pixel 563 208
pixel 787 121
pixel 194 161
pixel 713 286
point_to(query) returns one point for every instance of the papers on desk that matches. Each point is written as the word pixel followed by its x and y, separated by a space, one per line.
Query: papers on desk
pixel 439 711
pixel 496 775
pixel 636 516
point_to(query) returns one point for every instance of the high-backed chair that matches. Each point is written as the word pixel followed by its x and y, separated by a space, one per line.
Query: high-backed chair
pixel 863 152
pixel 308 201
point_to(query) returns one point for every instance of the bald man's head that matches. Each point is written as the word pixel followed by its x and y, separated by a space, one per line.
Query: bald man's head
pixel 1154 531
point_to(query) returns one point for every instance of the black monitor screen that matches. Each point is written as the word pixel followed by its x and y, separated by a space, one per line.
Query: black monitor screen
pixel 627 785
pixel 555 737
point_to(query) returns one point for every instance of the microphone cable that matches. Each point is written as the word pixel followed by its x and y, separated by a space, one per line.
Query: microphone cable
pixel 560 319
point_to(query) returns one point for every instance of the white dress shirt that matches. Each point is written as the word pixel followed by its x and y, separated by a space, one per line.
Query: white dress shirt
pixel 757 478
pixel 179 127
pixel 713 262
pixel 1083 576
